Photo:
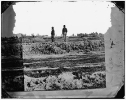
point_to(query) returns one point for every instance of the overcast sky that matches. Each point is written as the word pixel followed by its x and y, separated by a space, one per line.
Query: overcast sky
pixel 79 17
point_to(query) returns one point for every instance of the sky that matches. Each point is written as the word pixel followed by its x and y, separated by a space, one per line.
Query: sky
pixel 79 17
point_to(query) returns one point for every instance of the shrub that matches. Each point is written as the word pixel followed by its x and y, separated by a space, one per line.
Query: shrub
pixel 62 47
pixel 66 80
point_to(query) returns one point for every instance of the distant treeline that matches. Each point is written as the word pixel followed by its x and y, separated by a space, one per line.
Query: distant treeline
pixel 33 38
pixel 90 35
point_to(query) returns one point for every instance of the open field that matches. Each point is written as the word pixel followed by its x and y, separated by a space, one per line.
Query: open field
pixel 76 69
pixel 42 65
pixel 69 60
pixel 65 72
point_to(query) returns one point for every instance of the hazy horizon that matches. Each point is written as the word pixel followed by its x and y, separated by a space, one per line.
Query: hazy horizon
pixel 49 35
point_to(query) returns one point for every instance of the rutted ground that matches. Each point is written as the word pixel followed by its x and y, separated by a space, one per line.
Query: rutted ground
pixel 65 72
pixel 65 61
pixel 52 66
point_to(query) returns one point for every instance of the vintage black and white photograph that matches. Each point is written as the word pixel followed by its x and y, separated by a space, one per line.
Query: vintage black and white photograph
pixel 55 45
pixel 60 51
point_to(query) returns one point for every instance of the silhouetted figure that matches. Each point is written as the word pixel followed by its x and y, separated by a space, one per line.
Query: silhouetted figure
pixel 52 34
pixel 64 32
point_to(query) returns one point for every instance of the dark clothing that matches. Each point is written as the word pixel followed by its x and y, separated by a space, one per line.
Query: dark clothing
pixel 52 35
pixel 64 30
pixel 52 38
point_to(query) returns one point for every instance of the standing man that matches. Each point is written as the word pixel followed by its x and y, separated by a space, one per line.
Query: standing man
pixel 64 32
pixel 52 34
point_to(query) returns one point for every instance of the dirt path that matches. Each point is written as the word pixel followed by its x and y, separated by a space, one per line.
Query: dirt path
pixel 38 56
